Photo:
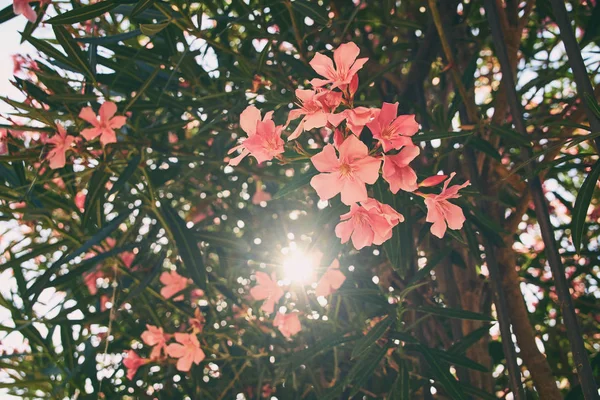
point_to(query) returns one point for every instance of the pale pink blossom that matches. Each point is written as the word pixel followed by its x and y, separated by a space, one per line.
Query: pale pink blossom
pixel 260 195
pixel 264 138
pixel 433 180
pixel 356 118
pixel 346 66
pixel 104 124
pixel 441 212
pixel 156 337
pixel 3 142
pixel 80 200
pixel 393 131
pixel 347 174
pixel 197 323
pixel 268 290
pixel 369 223
pixel 288 324
pixel 133 362
pixel 22 7
pixel 188 351
pixel 62 142
pixel 331 280
pixel 315 108
pixel 397 171
pixel 90 280
pixel 174 283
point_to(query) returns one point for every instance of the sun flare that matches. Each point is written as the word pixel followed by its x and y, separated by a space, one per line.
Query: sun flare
pixel 299 267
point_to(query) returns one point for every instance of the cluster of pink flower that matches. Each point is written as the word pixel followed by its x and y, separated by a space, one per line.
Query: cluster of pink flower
pixel 347 165
pixel 268 289
pixel 186 348
pixel 103 126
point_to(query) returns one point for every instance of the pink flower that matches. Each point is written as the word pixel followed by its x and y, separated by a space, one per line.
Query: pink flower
pixel 370 223
pixel 288 324
pixel 346 66
pixel 133 362
pixel 433 180
pixel 356 118
pixel 266 289
pixel 260 196
pixel 391 130
pixel 330 281
pixel 443 213
pixel 62 142
pixel 3 142
pixel 104 124
pixel 264 138
pixel 197 323
pixel 398 173
pixel 80 200
pixel 174 283
pixel 90 280
pixel 22 7
pixel 155 336
pixel 315 107
pixel 346 175
pixel 187 350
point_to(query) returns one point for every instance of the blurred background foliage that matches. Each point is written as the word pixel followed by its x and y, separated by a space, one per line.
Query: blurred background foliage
pixel 415 317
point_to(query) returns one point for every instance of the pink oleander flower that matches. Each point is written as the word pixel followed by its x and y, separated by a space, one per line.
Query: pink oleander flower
pixel 156 337
pixel 80 200
pixel 288 324
pixel 174 283
pixel 370 223
pixel 62 142
pixel 441 212
pixel 264 138
pixel 347 174
pixel 433 180
pixel 188 351
pixel 331 281
pixel 133 362
pixel 104 123
pixel 90 280
pixel 260 196
pixel 268 290
pixel 356 118
pixel 315 108
pixel 346 66
pixel 397 171
pixel 22 7
pixel 3 142
pixel 391 130
pixel 197 323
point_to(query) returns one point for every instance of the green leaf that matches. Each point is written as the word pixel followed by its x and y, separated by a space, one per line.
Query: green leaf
pixel 140 6
pixel 485 147
pixel 224 240
pixel 402 336
pixel 364 368
pixel 431 264
pixel 453 313
pixel 371 338
pixel 73 51
pixel 82 14
pixel 94 199
pixel 469 340
pixel 312 10
pixel 187 245
pixel 153 29
pixel 432 135
pixel 35 251
pixel 298 182
pixel 41 282
pixel 401 388
pixel 126 174
pixel 442 374
pixel 148 278
pixel 7 14
pixel 120 37
pixel 592 104
pixel 452 358
pixel 582 203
